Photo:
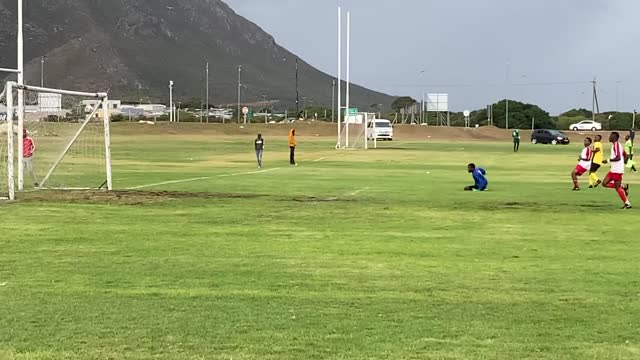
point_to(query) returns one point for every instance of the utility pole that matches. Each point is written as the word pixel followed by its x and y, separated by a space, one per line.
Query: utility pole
pixel 239 85
pixel 170 100
pixel 594 100
pixel 207 77
pixel 297 92
pixel 42 71
pixel 333 100
pixel 507 99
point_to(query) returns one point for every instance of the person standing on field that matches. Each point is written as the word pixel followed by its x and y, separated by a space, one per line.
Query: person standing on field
pixel 628 148
pixel 292 147
pixel 28 150
pixel 259 145
pixel 516 140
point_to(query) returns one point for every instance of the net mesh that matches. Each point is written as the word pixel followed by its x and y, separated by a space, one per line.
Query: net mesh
pixel 353 134
pixel 68 134
pixel 4 177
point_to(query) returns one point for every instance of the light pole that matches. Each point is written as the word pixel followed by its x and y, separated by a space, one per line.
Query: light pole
pixel 297 91
pixel 207 77
pixel 617 94
pixel 304 106
pixel 333 100
pixel 264 107
pixel 170 100
pixel 178 113
pixel 42 71
pixel 507 98
pixel 239 86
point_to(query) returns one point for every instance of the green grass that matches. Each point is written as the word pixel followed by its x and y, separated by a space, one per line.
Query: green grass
pixel 362 255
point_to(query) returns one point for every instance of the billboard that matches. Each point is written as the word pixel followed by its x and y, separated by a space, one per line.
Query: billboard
pixel 437 102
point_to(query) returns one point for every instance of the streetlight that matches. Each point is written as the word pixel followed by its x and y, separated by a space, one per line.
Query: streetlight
pixel 170 100
pixel 42 71
pixel 239 86
pixel 304 100
pixel 617 94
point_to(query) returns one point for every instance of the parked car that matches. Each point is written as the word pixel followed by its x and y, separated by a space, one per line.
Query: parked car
pixel 586 125
pixel 554 137
pixel 380 129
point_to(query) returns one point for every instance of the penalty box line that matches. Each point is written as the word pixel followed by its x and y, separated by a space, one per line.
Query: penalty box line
pixel 171 182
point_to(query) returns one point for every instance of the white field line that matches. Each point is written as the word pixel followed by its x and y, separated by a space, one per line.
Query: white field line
pixel 322 158
pixel 354 193
pixel 199 179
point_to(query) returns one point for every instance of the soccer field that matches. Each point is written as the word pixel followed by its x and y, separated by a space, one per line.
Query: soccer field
pixel 352 255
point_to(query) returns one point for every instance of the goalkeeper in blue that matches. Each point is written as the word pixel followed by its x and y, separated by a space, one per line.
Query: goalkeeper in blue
pixel 480 181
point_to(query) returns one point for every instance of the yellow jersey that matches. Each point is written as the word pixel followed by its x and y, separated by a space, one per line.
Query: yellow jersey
pixel 598 157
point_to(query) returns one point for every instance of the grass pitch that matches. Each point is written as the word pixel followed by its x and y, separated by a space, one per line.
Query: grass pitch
pixel 351 255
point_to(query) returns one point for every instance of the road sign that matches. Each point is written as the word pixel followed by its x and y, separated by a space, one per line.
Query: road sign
pixel 467 113
pixel 245 110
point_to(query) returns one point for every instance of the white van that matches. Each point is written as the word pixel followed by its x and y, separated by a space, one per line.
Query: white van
pixel 380 129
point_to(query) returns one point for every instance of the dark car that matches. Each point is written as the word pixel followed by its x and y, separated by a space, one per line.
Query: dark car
pixel 554 137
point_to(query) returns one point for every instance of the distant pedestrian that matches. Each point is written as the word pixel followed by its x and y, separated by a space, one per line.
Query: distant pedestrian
pixel 292 147
pixel 28 150
pixel 516 140
pixel 259 145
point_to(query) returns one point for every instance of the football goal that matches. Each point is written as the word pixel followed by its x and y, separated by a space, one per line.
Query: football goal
pixel 59 139
pixel 357 132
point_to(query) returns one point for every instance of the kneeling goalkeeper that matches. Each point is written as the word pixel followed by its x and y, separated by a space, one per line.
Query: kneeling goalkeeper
pixel 479 178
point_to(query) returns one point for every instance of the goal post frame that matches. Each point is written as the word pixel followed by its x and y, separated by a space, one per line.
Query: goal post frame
pixel 10 166
pixel 104 101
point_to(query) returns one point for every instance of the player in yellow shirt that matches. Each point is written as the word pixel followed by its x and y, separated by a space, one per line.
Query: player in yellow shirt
pixel 596 163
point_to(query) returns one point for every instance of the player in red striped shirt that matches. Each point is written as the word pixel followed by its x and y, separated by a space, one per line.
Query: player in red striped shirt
pixel 584 163
pixel 28 150
pixel 613 180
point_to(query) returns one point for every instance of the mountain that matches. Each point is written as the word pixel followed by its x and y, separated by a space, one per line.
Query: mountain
pixel 134 47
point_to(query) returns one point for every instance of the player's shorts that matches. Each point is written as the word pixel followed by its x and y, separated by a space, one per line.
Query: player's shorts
pixel 580 170
pixel 614 176
pixel 595 167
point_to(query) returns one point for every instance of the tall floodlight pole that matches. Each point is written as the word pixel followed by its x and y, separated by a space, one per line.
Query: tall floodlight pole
pixel 239 86
pixel 42 71
pixel 20 96
pixel 339 107
pixel 348 104
pixel 170 100
pixel 297 92
pixel 207 77
pixel 618 95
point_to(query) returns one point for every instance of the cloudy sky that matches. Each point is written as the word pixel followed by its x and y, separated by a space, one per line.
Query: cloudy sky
pixel 548 49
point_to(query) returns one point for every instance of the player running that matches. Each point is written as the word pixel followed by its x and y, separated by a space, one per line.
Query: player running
pixel 480 181
pixel 516 140
pixel 584 164
pixel 613 180
pixel 596 162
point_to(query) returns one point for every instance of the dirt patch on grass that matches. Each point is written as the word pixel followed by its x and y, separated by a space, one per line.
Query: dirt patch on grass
pixel 129 197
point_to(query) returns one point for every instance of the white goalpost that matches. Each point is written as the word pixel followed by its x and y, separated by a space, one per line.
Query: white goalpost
pixel 68 140
pixel 358 131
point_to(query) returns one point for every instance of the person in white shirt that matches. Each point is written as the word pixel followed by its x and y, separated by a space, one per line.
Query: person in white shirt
pixel 584 163
pixel 613 180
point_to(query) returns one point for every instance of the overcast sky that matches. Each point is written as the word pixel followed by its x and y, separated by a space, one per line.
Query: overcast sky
pixel 549 49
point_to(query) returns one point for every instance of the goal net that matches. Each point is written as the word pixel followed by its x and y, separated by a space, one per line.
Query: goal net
pixel 62 140
pixel 357 131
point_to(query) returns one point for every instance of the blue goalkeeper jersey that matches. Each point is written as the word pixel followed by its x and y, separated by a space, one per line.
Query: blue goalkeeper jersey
pixel 480 179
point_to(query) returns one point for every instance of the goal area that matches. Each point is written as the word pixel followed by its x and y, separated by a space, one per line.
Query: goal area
pixel 56 139
pixel 357 131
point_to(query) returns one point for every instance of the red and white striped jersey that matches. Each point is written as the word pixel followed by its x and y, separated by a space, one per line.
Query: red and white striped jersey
pixel 617 167
pixel 586 154
pixel 28 147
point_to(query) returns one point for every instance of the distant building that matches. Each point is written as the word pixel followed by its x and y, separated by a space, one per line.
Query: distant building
pixel 113 105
